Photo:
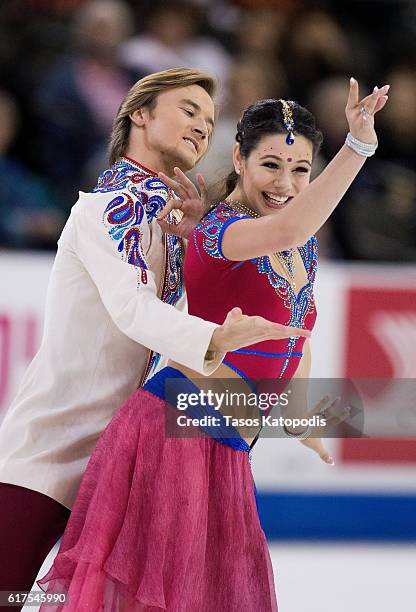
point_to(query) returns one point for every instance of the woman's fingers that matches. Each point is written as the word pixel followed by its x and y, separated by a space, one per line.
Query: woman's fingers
pixel 352 94
pixel 382 91
pixel 372 101
pixel 318 447
pixel 176 185
pixel 332 420
pixel 327 457
pixel 381 102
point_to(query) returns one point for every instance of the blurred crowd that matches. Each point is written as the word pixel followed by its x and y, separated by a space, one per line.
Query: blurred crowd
pixel 65 65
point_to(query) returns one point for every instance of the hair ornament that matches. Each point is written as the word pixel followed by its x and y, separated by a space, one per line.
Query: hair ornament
pixel 287 106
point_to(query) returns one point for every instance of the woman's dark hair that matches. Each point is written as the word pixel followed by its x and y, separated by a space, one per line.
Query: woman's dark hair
pixel 263 118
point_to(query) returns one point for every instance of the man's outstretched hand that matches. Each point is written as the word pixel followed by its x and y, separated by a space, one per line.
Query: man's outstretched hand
pixel 240 330
pixel 192 203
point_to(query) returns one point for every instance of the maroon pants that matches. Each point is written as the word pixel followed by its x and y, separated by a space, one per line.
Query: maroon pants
pixel 30 524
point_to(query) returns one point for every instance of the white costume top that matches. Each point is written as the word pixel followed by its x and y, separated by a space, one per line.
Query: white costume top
pixel 102 311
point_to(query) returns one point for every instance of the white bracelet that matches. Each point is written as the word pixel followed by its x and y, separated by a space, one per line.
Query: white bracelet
pixel 362 148
pixel 302 436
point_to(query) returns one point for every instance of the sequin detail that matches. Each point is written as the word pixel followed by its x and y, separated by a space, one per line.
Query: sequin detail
pixel 298 305
pixel 122 218
pixel 301 304
pixel 140 182
pixel 143 195
pixel 153 204
pixel 213 226
pixel 287 112
pixel 118 176
pixel 173 285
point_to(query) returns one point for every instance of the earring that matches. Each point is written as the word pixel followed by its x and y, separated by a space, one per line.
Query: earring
pixel 237 171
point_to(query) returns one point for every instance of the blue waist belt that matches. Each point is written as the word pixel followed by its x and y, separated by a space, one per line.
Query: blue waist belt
pixel 223 433
pixel 226 434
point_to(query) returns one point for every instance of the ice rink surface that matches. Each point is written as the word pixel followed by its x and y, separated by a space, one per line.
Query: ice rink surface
pixel 338 577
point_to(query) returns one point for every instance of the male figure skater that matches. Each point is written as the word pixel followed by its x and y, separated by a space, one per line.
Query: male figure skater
pixel 115 303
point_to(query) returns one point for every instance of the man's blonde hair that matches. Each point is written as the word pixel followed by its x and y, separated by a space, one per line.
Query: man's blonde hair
pixel 144 93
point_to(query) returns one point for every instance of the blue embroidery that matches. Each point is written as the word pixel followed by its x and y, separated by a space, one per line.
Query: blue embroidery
pixel 299 305
pixel 173 285
pixel 123 217
pixel 265 354
pixel 151 366
pixel 212 228
pixel 118 176
pixel 153 204
pixel 142 194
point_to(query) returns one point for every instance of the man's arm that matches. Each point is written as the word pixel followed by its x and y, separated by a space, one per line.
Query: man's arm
pixel 129 292
pixel 113 255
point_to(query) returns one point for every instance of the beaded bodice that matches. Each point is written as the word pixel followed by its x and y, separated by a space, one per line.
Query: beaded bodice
pixel 216 284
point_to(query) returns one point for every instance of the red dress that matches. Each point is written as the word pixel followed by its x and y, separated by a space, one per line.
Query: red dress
pixel 215 285
pixel 165 523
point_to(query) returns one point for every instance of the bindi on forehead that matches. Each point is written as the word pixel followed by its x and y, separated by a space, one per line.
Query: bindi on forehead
pixel 299 155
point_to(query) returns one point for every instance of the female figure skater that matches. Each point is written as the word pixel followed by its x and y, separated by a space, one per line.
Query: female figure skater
pixel 170 523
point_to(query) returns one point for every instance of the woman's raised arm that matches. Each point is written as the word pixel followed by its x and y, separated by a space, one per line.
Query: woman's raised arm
pixel 310 208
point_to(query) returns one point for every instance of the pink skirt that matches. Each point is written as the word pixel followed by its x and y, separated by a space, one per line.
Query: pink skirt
pixel 162 523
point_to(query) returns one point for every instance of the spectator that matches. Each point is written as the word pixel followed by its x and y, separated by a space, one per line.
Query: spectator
pixel 172 40
pixel 399 120
pixel 316 48
pixel 261 33
pixel 76 102
pixel 377 219
pixel 30 218
pixel 327 103
pixel 249 81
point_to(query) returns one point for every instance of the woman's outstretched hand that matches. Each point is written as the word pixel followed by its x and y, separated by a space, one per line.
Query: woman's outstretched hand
pixel 240 330
pixel 192 203
pixel 314 441
pixel 360 113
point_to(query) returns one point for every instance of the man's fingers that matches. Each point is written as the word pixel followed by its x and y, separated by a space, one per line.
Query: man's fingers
pixel 186 184
pixel 169 228
pixel 175 185
pixel 234 313
pixel 166 179
pixel 202 186
pixel 297 331
pixel 264 330
pixel 286 332
pixel 352 94
pixel 168 207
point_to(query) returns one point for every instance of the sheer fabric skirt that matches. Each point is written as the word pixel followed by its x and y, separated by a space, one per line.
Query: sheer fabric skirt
pixel 162 523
